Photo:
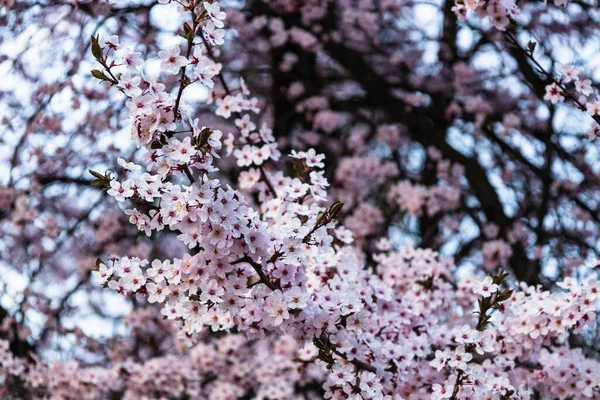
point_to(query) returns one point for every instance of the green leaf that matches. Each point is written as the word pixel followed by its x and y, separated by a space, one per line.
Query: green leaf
pixel 96 49
pixel 505 295
pixel 320 217
pixel 185 81
pixel 99 182
pixel 335 209
pixel 203 137
pixel 188 33
pixel 500 277
pixel 97 175
pixel 99 75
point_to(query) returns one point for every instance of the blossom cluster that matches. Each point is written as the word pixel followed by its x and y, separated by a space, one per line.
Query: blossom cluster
pixel 580 93
pixel 583 95
pixel 266 367
pixel 286 269
pixel 412 336
pixel 274 295
pixel 499 12
pixel 260 271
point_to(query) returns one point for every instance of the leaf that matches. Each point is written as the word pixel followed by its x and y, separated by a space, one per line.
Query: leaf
pixel 500 277
pixel 97 175
pixel 320 217
pixel 505 295
pixel 188 32
pixel 99 75
pixel 99 182
pixel 203 137
pixel 96 49
pixel 335 209
pixel 185 81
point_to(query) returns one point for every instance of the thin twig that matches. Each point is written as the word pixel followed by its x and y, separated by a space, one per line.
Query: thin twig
pixel 529 54
pixel 258 268
pixel 263 174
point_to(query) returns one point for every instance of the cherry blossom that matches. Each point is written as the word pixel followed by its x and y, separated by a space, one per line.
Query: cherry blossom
pixel 392 216
pixel 121 190
pixel 214 12
pixel 171 60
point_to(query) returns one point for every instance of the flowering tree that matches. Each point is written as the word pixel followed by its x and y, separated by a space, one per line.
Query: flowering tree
pixel 299 199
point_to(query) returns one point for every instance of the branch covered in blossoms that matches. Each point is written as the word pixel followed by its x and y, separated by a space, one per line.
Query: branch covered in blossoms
pixel 324 200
